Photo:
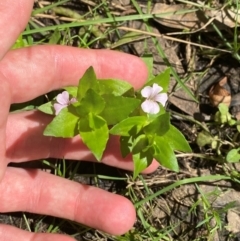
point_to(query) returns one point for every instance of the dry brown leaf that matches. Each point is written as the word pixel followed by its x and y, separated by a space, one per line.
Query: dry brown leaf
pixel 218 94
pixel 195 21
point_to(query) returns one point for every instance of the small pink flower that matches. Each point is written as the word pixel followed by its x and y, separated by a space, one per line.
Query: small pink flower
pixel 153 97
pixel 62 102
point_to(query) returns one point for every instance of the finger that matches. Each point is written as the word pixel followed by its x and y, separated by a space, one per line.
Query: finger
pixel 10 233
pixel 37 70
pixel 35 191
pixel 14 18
pixel 26 142
pixel 34 71
pixel 5 103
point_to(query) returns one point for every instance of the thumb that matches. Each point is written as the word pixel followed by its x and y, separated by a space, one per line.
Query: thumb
pixel 5 100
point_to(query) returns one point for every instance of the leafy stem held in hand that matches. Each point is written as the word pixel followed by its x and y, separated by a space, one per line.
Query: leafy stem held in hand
pixel 98 108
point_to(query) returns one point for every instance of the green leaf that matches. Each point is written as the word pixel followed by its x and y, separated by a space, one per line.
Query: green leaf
pixel 165 155
pixel 159 125
pixel 91 103
pixel 129 37
pixel 47 108
pixel 232 122
pixel 140 163
pixel 93 130
pixel 215 144
pixel 141 143
pixel 118 108
pixel 223 116
pixel 72 90
pixel 114 87
pixel 63 125
pixel 88 81
pixel 176 140
pixel 125 127
pixel 233 155
pixel 162 79
pixel 125 145
pixel 223 108
pixel 148 60
pixel 55 37
pixel 238 127
pixel 204 138
pixel 142 154
pixel 20 43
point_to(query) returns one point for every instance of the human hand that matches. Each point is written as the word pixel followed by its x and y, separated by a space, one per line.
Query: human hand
pixel 30 72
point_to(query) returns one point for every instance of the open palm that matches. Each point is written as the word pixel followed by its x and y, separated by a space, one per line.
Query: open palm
pixel 30 72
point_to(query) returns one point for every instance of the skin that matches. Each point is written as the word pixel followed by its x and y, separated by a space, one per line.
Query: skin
pixel 25 74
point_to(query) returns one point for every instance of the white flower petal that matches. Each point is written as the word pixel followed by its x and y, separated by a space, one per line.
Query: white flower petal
pixel 146 91
pixel 151 107
pixel 161 98
pixel 58 108
pixel 156 89
pixel 63 98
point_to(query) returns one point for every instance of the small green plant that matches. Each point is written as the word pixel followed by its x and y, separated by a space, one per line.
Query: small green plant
pixel 213 217
pixel 222 118
pixel 99 108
